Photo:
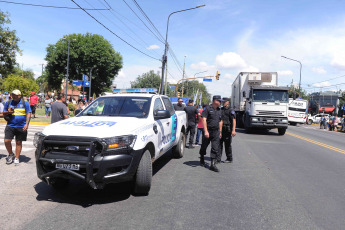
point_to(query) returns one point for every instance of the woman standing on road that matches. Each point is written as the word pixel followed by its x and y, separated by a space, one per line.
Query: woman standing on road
pixel 47 105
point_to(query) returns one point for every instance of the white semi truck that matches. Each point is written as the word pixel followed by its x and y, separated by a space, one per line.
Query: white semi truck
pixel 259 102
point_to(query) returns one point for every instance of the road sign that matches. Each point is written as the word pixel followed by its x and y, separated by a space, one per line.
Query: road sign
pixel 208 80
pixel 77 83
pixel 86 84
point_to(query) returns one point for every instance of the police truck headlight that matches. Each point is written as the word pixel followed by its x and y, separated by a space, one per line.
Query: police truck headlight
pixel 255 119
pixel 38 138
pixel 118 143
pixel 285 121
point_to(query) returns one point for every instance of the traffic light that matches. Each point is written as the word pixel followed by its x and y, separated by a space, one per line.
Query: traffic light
pixel 178 94
pixel 217 75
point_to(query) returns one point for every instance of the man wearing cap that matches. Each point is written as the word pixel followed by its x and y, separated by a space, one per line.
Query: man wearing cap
pixel 20 114
pixel 213 124
pixel 179 106
pixel 192 114
pixel 228 131
pixel 33 103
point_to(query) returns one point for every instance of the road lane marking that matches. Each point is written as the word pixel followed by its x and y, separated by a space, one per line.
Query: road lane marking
pixel 317 143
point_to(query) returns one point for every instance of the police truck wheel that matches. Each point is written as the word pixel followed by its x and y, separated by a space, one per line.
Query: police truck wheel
pixel 178 150
pixel 281 131
pixel 310 122
pixel 143 176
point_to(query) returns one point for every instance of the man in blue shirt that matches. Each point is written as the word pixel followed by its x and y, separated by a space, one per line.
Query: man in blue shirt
pixel 17 126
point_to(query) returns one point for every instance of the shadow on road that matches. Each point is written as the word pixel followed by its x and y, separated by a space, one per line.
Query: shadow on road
pixel 197 163
pixel 24 158
pixel 79 193
pixel 259 132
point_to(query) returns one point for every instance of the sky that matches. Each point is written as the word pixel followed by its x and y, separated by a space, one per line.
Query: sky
pixel 226 35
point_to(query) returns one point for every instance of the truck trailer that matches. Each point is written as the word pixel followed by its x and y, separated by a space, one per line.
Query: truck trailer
pixel 259 103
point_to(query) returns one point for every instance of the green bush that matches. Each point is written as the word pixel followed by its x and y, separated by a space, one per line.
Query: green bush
pixel 71 107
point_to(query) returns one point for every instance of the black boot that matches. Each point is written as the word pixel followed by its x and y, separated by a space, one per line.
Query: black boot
pixel 228 160
pixel 202 161
pixel 213 166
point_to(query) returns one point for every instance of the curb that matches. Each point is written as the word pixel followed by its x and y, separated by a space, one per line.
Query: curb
pixel 31 123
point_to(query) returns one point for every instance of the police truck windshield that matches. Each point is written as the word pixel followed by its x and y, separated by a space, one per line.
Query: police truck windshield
pixel 119 106
pixel 270 96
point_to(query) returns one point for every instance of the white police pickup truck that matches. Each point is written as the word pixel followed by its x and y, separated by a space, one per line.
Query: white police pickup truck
pixel 115 139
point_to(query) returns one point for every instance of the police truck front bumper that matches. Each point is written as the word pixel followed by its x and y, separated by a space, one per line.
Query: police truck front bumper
pixel 85 159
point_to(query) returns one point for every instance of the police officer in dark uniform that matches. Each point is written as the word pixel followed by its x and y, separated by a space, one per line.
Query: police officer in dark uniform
pixel 192 114
pixel 228 131
pixel 179 106
pixel 212 122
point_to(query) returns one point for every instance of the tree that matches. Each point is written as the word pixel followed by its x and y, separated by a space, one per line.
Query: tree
pixel 25 85
pixel 192 87
pixel 8 46
pixel 147 80
pixel 28 73
pixel 88 51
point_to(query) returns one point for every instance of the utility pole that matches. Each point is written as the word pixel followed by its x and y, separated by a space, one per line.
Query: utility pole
pixel 184 68
pixel 90 83
pixel 42 78
pixel 166 70
pixel 69 41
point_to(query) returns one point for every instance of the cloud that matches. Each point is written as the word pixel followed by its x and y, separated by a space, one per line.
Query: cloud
pixel 285 73
pixel 338 61
pixel 32 62
pixel 202 66
pixel 322 84
pixel 319 70
pixel 153 47
pixel 230 60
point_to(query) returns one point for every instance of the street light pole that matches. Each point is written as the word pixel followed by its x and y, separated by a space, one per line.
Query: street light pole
pixel 67 75
pixel 90 83
pixel 300 71
pixel 164 59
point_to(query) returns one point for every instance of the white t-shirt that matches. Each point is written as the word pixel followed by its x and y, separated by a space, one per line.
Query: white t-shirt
pixel 1 107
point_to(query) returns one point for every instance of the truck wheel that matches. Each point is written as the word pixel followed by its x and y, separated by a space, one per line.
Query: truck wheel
pixel 310 122
pixel 281 131
pixel 59 183
pixel 178 150
pixel 143 176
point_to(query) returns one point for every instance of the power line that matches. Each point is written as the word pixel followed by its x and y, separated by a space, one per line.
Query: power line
pixel 37 5
pixel 128 28
pixel 329 79
pixel 159 39
pixel 107 4
pixel 114 33
pixel 148 19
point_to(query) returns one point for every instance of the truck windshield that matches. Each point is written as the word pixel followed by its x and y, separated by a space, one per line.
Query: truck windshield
pixel 270 95
pixel 119 106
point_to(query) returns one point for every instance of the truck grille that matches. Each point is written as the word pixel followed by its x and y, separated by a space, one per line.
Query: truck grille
pixel 270 113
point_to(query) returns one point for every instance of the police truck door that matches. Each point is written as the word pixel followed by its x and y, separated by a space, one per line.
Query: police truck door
pixel 163 127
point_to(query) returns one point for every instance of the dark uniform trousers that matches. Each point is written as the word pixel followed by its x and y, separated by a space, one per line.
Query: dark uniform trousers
pixel 214 139
pixel 191 131
pixel 226 139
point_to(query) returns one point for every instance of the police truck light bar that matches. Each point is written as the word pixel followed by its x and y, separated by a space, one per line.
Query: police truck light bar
pixel 143 90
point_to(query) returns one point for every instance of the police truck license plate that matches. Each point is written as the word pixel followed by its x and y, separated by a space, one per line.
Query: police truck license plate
pixel 74 167
pixel 269 121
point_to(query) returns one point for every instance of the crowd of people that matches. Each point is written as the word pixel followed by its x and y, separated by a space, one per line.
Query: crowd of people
pixel 215 124
pixel 332 123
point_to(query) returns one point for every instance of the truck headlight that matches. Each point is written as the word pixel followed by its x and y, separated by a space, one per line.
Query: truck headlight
pixel 38 138
pixel 285 121
pixel 119 142
pixel 255 119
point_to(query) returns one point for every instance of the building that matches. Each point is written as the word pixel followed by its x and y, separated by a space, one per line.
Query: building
pixel 327 102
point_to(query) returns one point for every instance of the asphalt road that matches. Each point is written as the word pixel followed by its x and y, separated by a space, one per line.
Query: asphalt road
pixel 295 181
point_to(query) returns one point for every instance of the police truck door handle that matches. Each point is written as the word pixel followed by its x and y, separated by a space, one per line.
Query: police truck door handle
pixel 168 123
pixel 155 129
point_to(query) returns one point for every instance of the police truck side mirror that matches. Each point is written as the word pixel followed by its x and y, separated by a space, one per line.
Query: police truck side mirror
pixel 294 96
pixel 161 114
pixel 244 93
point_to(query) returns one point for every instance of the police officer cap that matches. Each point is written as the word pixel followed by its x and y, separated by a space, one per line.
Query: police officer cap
pixel 190 101
pixel 217 97
pixel 226 99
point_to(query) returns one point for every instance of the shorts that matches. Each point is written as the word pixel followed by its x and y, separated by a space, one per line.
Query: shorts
pixel 11 132
pixel 33 108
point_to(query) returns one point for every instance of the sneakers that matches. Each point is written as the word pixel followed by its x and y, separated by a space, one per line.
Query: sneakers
pixel 9 158
pixel 16 162
pixel 228 160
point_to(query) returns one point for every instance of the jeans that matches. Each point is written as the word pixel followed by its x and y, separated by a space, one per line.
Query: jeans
pixel 199 131
pixel 48 110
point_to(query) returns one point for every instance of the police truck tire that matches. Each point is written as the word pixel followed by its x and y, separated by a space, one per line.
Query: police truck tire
pixel 281 131
pixel 178 150
pixel 310 122
pixel 143 176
